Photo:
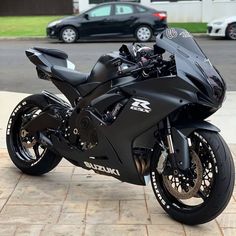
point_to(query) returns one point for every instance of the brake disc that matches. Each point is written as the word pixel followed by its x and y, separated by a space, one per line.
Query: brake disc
pixel 183 187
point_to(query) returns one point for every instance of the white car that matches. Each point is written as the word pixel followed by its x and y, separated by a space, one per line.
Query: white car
pixel 223 27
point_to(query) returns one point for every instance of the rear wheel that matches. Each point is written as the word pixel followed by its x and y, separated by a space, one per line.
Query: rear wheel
pixel 30 156
pixel 231 31
pixel 203 193
pixel 69 34
pixel 143 33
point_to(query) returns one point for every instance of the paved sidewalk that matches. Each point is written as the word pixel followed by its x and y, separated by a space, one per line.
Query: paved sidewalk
pixel 71 201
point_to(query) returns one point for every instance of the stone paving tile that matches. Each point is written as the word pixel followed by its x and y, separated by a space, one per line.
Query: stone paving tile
pixel 229 231
pixel 65 163
pixel 63 230
pixel 6 162
pixel 208 229
pixel 102 212
pixel 81 171
pixel 162 219
pixel 100 191
pixel 153 206
pixel 233 149
pixel 74 207
pixel 47 179
pixel 2 203
pixel 29 230
pixel 134 212
pixel 27 214
pixel 39 193
pixel 72 219
pixel 5 192
pixel 231 208
pixel 115 230
pixel 64 169
pixel 227 220
pixel 165 230
pixel 92 178
pixel 7 230
pixel 9 177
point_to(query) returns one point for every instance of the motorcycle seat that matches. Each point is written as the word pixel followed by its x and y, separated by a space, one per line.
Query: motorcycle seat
pixel 52 52
pixel 68 75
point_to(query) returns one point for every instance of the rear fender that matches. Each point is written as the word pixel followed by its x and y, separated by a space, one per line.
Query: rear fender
pixel 47 118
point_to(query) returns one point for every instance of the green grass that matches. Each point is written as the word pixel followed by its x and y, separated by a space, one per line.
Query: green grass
pixel 23 26
pixel 191 27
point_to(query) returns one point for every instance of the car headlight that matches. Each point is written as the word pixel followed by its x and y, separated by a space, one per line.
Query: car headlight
pixel 218 23
pixel 54 23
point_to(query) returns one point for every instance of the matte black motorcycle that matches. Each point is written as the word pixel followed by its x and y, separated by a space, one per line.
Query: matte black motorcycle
pixel 138 115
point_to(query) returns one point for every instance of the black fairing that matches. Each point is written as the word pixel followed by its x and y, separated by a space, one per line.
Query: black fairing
pixel 193 65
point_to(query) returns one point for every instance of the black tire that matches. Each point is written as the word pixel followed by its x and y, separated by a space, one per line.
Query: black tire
pixel 143 33
pixel 231 31
pixel 44 160
pixel 69 34
pixel 214 192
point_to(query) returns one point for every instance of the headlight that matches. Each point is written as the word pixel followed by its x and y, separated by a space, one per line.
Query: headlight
pixel 54 23
pixel 218 23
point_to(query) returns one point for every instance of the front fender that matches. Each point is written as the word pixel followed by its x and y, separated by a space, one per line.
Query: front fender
pixel 180 140
pixel 188 128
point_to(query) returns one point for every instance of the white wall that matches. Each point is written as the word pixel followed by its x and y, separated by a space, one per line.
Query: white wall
pixel 182 11
pixel 220 8
pixel 186 11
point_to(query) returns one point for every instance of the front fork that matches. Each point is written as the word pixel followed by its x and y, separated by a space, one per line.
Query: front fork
pixel 178 149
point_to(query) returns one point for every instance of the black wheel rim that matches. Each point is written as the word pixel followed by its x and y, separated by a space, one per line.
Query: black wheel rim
pixel 209 166
pixel 28 155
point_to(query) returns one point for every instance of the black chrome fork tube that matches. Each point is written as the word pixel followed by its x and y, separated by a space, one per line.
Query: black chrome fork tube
pixel 169 137
pixel 171 147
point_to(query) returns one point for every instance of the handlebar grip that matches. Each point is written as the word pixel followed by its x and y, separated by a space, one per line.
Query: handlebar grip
pixel 130 69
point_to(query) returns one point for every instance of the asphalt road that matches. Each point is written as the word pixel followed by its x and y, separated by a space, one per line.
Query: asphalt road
pixel 19 75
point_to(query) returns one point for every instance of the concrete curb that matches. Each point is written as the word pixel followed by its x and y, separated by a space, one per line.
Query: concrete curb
pixel 23 38
pixel 196 35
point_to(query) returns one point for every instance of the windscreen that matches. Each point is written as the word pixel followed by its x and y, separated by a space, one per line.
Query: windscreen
pixel 176 38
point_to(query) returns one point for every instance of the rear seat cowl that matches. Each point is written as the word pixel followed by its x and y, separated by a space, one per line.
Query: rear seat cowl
pixel 52 52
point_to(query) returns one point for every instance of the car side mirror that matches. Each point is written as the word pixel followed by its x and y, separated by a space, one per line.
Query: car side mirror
pixel 86 16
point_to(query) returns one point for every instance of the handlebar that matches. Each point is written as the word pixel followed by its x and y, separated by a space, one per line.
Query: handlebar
pixel 131 69
pixel 139 66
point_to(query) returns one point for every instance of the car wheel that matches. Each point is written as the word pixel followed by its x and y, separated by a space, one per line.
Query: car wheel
pixel 231 31
pixel 143 33
pixel 69 34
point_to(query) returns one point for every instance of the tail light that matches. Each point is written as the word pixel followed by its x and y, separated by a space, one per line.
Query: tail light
pixel 160 15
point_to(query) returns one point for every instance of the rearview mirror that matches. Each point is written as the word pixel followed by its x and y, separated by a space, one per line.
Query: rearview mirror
pixel 86 16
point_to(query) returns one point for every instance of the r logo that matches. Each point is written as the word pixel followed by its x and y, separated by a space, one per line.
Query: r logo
pixel 140 105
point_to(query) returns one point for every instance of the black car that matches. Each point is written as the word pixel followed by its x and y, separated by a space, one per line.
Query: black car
pixel 110 20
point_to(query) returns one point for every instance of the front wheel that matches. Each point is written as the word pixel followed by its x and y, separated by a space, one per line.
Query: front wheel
pixel 203 193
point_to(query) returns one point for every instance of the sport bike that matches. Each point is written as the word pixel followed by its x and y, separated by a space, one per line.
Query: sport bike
pixel 138 116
